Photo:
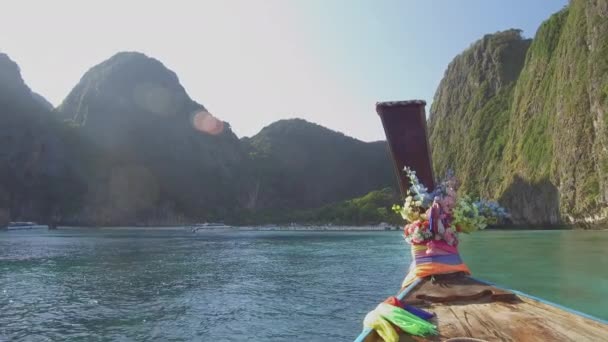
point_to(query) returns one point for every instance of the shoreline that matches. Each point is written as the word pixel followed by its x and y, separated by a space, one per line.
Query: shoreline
pixel 241 228
pixel 311 228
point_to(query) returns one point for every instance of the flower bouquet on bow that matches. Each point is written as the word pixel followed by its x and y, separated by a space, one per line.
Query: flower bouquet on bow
pixel 435 219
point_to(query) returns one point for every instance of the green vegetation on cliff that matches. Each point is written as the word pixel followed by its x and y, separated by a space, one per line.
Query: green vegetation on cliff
pixel 142 157
pixel 370 209
pixel 37 178
pixel 528 126
pixel 128 146
pixel 140 120
pixel 523 121
pixel 470 111
pixel 299 164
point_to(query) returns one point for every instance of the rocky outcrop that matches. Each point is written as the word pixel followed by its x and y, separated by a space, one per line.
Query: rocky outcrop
pixel 35 164
pixel 522 121
pixel 298 164
pixel 469 114
pixel 128 146
pixel 151 154
pixel 536 138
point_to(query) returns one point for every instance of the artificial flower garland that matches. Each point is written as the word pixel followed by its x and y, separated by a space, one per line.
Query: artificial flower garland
pixel 442 214
pixel 434 221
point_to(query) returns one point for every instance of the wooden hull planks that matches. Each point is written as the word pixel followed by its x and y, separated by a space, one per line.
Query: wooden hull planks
pixel 465 307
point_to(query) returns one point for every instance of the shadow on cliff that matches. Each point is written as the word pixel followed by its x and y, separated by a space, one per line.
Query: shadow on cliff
pixel 532 202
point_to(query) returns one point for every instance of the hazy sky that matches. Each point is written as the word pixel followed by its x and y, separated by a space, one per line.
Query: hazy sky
pixel 254 62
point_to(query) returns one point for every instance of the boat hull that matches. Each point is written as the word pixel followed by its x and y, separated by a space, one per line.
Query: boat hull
pixel 198 229
pixel 37 226
pixel 466 307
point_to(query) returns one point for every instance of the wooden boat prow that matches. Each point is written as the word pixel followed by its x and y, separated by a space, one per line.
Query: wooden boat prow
pixel 468 308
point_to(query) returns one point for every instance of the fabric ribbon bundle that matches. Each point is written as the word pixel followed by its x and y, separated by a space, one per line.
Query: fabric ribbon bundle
pixel 432 258
pixel 390 311
pixel 435 257
pixel 434 221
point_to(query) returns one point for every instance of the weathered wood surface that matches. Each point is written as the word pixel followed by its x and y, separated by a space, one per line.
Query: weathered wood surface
pixel 455 288
pixel 404 124
pixel 498 315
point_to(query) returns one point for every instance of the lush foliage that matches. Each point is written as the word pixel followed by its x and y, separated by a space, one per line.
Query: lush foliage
pixel 38 181
pixel 298 164
pixel 123 149
pixel 371 209
pixel 176 173
pixel 524 121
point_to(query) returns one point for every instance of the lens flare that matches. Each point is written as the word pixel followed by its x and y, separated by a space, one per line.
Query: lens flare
pixel 205 122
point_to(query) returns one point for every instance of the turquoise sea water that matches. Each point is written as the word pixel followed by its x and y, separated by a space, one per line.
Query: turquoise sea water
pixel 134 284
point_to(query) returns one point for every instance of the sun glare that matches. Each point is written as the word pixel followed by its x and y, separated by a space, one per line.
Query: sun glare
pixel 204 122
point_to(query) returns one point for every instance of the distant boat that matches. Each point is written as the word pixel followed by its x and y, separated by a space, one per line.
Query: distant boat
pixel 208 225
pixel 25 225
pixel 386 226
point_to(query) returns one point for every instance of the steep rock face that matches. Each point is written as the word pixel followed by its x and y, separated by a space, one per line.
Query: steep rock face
pixel 148 154
pixel 34 159
pixel 152 154
pixel 538 144
pixel 298 164
pixel 558 127
pixel 43 101
pixel 470 111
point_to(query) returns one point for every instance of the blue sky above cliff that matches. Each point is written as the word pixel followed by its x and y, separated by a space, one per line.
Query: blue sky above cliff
pixel 255 62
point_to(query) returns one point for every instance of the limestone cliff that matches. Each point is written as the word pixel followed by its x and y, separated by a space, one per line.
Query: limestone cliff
pixel 151 154
pixel 35 164
pixel 531 134
pixel 298 164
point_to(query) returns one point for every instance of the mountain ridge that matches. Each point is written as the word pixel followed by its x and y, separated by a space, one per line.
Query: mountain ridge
pixel 523 121
pixel 146 134
pixel 143 152
pixel 34 160
pixel 298 149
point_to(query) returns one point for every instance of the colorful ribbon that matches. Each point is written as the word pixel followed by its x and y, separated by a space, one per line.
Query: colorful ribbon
pixel 435 257
pixel 380 319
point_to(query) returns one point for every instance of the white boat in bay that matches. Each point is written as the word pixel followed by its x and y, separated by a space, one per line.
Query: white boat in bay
pixel 25 225
pixel 208 226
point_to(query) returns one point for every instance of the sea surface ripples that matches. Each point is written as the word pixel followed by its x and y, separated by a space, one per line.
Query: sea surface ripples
pixel 172 285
